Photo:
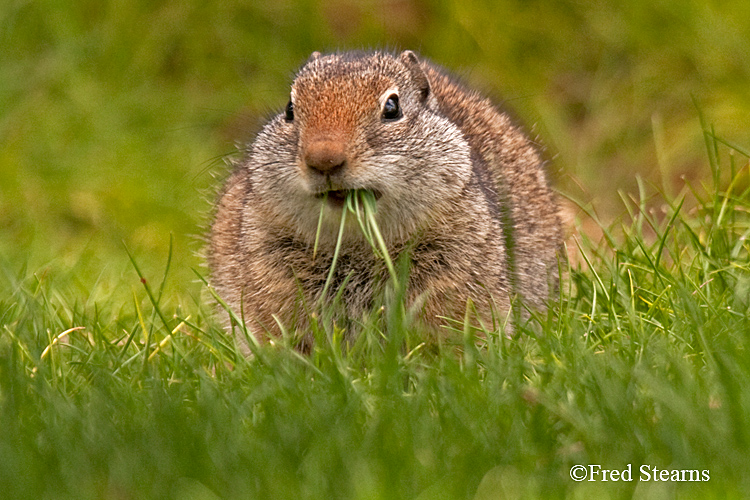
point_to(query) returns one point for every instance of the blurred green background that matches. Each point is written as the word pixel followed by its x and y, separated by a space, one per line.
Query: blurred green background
pixel 114 115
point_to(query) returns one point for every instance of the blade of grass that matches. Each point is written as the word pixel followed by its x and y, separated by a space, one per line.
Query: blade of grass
pixel 252 341
pixel 336 251
pixel 369 204
pixel 320 225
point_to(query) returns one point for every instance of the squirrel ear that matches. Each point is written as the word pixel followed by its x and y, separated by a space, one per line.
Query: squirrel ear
pixel 410 60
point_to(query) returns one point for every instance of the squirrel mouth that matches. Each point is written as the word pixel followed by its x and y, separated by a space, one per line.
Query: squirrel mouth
pixel 337 197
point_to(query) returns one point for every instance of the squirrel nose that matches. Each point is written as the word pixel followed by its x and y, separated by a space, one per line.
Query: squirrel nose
pixel 325 156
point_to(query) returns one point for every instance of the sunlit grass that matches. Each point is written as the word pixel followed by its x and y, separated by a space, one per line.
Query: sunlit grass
pixel 117 382
pixel 643 360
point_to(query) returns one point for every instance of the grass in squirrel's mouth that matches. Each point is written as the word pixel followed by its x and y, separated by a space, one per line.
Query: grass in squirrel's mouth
pixel 337 197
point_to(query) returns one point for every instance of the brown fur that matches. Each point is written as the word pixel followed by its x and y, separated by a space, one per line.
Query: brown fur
pixel 458 184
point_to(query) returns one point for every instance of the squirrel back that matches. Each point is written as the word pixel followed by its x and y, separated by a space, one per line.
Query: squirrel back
pixel 458 187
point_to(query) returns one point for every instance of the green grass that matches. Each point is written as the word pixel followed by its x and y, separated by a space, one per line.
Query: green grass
pixel 114 115
pixel 642 360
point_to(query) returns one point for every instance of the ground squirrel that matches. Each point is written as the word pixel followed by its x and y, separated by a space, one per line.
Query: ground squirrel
pixel 457 185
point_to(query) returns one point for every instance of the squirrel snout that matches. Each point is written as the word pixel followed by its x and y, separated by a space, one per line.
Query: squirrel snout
pixel 325 156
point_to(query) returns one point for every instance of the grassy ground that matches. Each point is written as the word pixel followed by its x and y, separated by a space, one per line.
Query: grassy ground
pixel 114 115
pixel 643 360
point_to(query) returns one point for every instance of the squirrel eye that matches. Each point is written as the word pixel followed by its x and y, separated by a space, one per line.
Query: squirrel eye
pixel 289 112
pixel 391 109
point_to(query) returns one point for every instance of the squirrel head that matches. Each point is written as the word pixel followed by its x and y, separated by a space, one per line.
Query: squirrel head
pixel 360 121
